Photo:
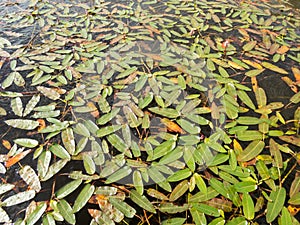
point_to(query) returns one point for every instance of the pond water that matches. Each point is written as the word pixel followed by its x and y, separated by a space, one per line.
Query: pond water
pixel 136 95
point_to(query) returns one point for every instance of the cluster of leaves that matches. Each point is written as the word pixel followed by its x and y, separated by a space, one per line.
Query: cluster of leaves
pixel 160 102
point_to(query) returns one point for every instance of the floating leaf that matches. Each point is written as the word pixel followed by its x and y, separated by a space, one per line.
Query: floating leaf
pixel 54 168
pixel 4 218
pixel 23 124
pixel 274 68
pixel 251 151
pixel 17 106
pixel 59 151
pixel 68 188
pixel 179 190
pixel 66 211
pixel 118 175
pixel 275 205
pixel 142 201
pixel 31 104
pixel 174 221
pixel 83 197
pixel 19 198
pixel 37 213
pixel 123 207
pixel 68 139
pixel 49 92
pixel 167 112
pixel 30 177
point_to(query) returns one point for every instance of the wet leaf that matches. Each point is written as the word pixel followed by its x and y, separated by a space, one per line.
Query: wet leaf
pixel 83 197
pixel 179 190
pixel 172 208
pixel 23 124
pixel 142 201
pixel 275 205
pixel 68 188
pixel 123 207
pixel 54 169
pixel 37 213
pixel 26 142
pixel 119 174
pixel 206 209
pixel 19 198
pixel 66 211
pixel 49 92
pixel 251 151
pixel 274 68
pixel 59 151
pixel 4 218
pixel 17 106
pixel 173 221
pixel 30 177
pixel 31 104
pixel 167 112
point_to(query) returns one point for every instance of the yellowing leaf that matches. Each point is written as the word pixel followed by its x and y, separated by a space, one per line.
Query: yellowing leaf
pixel 273 68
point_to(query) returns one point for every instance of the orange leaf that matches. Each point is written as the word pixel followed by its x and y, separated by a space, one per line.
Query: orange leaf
pixel 293 210
pixel 13 160
pixel 6 144
pixel 42 124
pixel 296 73
pixel 283 49
pixel 172 126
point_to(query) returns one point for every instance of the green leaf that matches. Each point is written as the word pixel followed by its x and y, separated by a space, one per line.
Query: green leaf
pixel 246 99
pixel 18 198
pixel 141 201
pixel 248 206
pixel 83 197
pixel 198 217
pixel 275 205
pixel 174 221
pixel 66 211
pixel 60 151
pixel 217 221
pixel 88 163
pixel 179 190
pixel 173 208
pixel 23 124
pixel 119 174
pixel 251 151
pixel 138 182
pixel 68 140
pixel 48 219
pixel 36 214
pixel 295 200
pixel 249 46
pixel 26 142
pixel 206 209
pixel 238 221
pixel 68 188
pixel 295 98
pixel 285 218
pixel 204 196
pixel 248 120
pixel 123 207
pixel 274 68
pixel 219 187
pixel 108 130
pixel 54 169
pixel 249 135
pixel 163 149
pixel 167 112
pixel 180 175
